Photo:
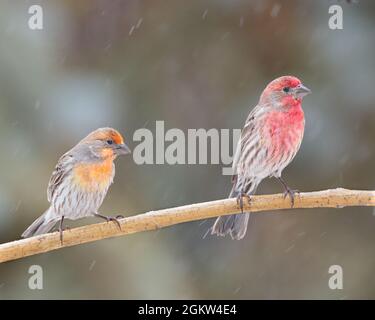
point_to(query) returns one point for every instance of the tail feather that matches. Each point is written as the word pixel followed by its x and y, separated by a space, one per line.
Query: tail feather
pixel 235 225
pixel 39 226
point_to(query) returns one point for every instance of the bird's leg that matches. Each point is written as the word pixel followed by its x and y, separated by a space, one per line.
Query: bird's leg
pixel 288 191
pixel 61 229
pixel 115 220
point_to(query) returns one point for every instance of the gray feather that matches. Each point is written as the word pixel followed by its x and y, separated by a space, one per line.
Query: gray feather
pixel 39 226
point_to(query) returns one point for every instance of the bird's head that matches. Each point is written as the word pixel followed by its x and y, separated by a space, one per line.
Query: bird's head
pixel 106 143
pixel 284 91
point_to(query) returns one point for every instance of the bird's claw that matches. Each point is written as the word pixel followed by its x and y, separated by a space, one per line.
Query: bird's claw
pixel 115 220
pixel 240 200
pixel 291 193
pixel 108 219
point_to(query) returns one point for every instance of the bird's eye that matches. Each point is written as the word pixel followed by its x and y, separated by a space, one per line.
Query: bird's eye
pixel 109 141
pixel 286 89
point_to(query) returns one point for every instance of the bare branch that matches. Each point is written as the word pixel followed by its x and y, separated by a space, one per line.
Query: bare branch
pixel 336 198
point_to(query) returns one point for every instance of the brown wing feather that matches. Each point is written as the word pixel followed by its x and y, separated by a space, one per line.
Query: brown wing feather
pixel 63 167
pixel 248 130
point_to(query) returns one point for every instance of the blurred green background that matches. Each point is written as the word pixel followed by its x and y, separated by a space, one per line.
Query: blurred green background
pixel 193 64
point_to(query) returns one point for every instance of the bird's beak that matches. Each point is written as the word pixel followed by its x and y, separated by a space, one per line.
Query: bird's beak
pixel 301 91
pixel 122 149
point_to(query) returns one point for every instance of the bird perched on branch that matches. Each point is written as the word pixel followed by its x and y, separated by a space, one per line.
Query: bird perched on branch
pixel 80 181
pixel 269 141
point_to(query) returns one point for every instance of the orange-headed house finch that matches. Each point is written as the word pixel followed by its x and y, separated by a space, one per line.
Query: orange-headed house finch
pixel 269 141
pixel 81 180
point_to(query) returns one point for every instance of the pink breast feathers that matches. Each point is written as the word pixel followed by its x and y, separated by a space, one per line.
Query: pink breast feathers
pixel 285 130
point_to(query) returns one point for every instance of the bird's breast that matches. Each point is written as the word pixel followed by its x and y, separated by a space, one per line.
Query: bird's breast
pixel 284 130
pixel 94 177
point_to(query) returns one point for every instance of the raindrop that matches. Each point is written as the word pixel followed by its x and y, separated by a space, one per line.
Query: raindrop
pixel 139 23
pixel 131 30
pixel 17 206
pixel 290 248
pixel 204 15
pixel 242 20
pixel 275 10
pixel 237 290
pixel 92 265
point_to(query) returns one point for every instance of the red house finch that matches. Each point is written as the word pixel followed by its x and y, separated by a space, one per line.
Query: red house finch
pixel 81 180
pixel 269 141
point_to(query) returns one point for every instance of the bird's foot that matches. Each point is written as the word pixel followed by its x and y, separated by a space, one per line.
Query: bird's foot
pixel 115 220
pixel 108 219
pixel 240 200
pixel 291 193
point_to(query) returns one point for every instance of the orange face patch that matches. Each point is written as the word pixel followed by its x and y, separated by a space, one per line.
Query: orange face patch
pixel 106 134
pixel 94 177
pixel 117 138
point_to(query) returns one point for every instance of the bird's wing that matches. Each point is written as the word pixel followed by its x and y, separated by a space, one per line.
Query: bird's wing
pixel 247 135
pixel 63 167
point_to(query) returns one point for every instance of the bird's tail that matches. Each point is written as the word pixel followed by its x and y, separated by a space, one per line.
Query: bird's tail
pixel 41 225
pixel 235 225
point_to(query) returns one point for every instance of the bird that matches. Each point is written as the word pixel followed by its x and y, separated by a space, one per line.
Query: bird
pixel 80 181
pixel 270 139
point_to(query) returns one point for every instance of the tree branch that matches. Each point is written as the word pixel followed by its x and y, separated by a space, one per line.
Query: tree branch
pixel 336 198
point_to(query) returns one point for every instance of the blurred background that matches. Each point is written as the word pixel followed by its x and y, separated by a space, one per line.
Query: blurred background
pixel 193 64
